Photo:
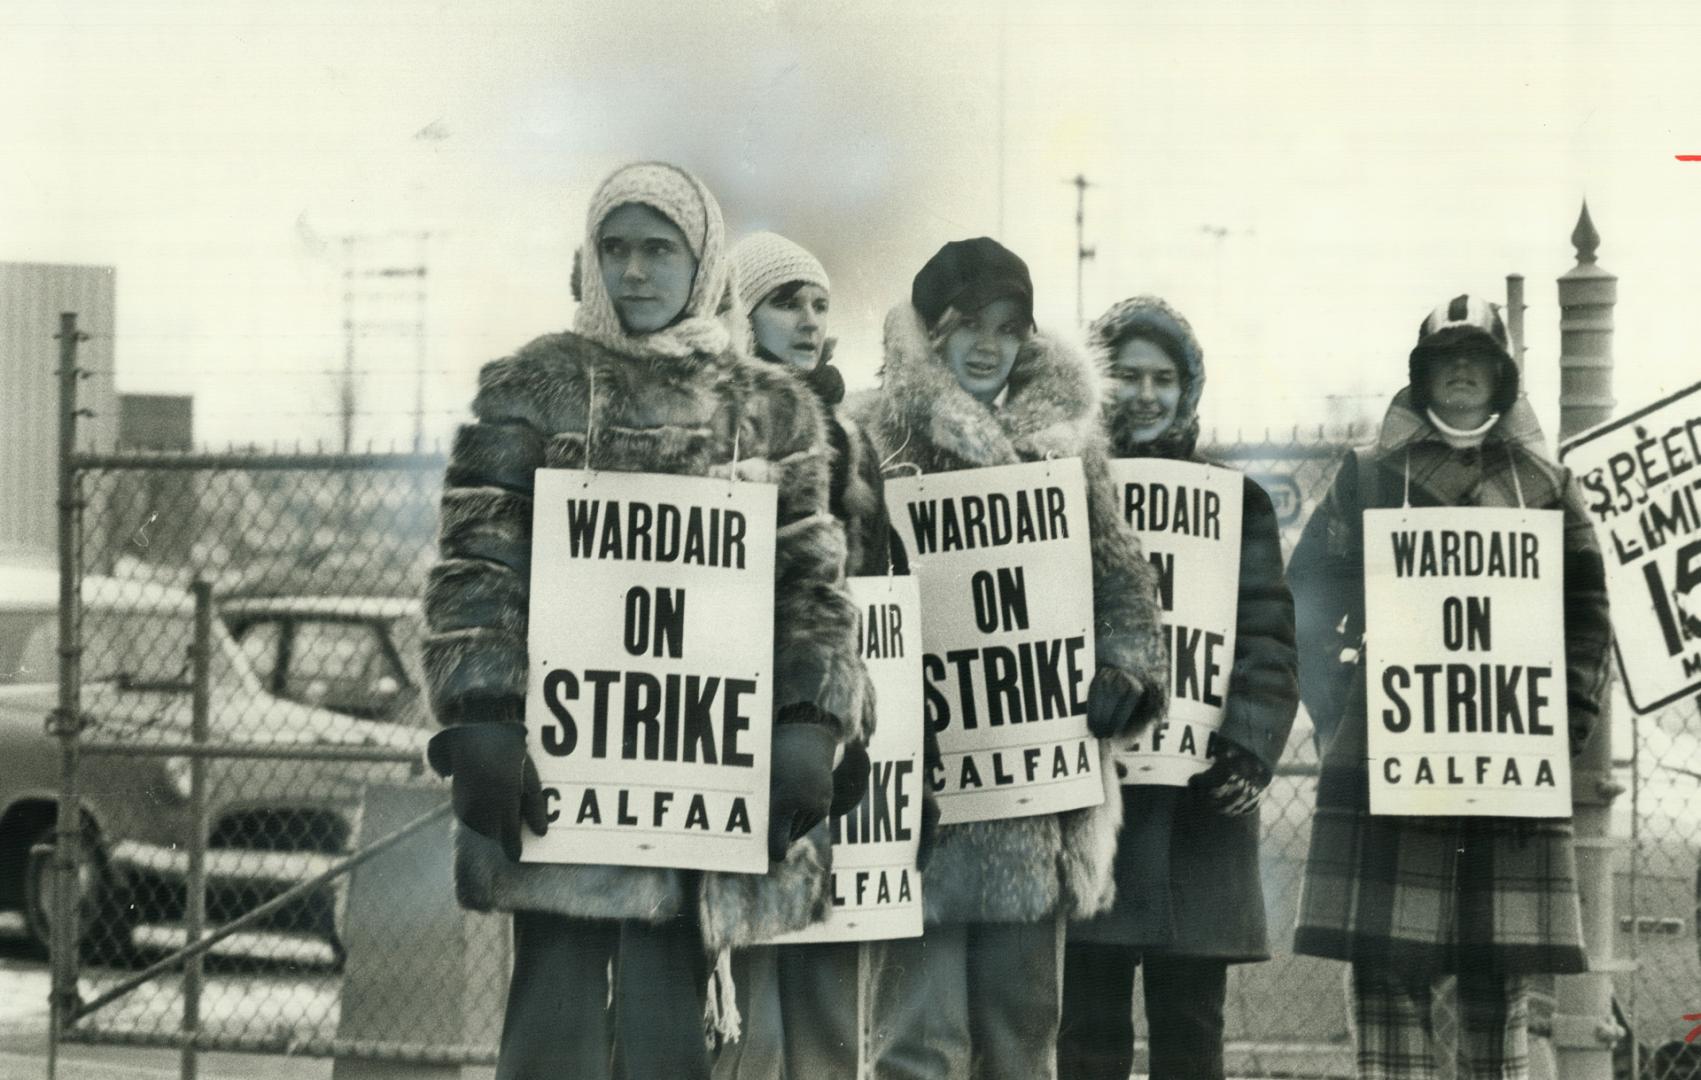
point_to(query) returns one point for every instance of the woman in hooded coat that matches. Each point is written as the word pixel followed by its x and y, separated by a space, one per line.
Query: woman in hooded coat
pixel 799 1001
pixel 968 383
pixel 1189 897
pixel 650 380
pixel 1411 902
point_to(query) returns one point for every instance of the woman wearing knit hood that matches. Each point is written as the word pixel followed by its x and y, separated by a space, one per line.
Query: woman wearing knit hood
pixel 1411 901
pixel 648 381
pixel 968 383
pixel 1189 899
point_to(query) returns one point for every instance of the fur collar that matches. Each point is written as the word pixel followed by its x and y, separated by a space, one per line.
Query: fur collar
pixel 1051 408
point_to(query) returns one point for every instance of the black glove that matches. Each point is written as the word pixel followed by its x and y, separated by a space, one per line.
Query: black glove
pixel 1234 782
pixel 1119 703
pixel 800 784
pixel 929 830
pixel 850 779
pixel 493 783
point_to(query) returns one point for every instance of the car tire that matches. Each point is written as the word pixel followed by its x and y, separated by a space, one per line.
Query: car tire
pixel 106 919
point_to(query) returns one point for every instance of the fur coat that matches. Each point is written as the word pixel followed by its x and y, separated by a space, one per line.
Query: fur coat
pixel 658 414
pixel 1024 869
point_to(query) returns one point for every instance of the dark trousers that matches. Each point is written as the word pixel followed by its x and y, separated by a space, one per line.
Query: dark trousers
pixel 1184 1014
pixel 560 1021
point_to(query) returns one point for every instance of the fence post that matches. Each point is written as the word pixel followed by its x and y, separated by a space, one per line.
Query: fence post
pixel 66 720
pixel 1583 1027
pixel 195 913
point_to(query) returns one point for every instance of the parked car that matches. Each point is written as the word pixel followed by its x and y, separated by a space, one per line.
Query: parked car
pixel 272 822
pixel 357 655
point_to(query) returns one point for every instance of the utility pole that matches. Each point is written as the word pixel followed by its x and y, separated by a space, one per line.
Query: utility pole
pixel 1082 251
pixel 378 306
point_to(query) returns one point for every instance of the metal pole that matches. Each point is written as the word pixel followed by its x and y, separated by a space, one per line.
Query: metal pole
pixel 67 718
pixel 1583 1026
pixel 195 917
pixel 1082 251
pixel 1003 92
pixel 419 346
pixel 1515 308
pixel 345 389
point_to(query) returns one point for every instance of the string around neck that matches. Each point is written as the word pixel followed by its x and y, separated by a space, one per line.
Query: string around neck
pixel 1517 484
pixel 591 419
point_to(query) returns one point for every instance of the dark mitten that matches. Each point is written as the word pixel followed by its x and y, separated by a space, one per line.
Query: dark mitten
pixel 1234 782
pixel 800 785
pixel 1119 703
pixel 850 779
pixel 929 830
pixel 493 783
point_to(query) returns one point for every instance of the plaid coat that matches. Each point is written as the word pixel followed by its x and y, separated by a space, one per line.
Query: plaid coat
pixel 1436 894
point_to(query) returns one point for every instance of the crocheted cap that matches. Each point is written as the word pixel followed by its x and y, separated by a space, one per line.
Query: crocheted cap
pixel 668 189
pixel 762 262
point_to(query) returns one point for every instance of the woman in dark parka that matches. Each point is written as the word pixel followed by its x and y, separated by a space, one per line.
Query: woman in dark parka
pixel 1189 900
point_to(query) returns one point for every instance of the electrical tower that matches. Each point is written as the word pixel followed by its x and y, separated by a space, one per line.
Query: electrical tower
pixel 384 303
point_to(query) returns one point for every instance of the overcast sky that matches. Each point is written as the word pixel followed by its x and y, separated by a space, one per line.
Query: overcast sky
pixel 1304 180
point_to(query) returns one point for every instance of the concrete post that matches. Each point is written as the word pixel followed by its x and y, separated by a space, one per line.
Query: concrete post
pixel 1583 1026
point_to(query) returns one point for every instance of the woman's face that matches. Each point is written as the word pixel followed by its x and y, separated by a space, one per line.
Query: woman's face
pixel 1147 385
pixel 1461 384
pixel 792 327
pixel 981 350
pixel 647 267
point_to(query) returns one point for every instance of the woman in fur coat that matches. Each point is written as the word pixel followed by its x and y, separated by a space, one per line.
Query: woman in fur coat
pixel 1189 898
pixel 1411 901
pixel 968 383
pixel 650 380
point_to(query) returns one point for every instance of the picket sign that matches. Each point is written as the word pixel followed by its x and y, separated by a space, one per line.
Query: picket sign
pixel 1004 561
pixel 1640 487
pixel 651 645
pixel 1187 517
pixel 876 891
pixel 1465 653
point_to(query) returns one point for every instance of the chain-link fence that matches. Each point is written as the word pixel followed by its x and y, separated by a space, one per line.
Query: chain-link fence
pixel 304 690
pixel 247 766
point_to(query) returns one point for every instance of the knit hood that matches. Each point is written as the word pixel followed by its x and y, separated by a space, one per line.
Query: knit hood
pixel 1050 406
pixel 1151 317
pixel 681 198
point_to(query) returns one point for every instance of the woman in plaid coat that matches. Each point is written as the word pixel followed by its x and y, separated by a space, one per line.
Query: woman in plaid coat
pixel 1415 901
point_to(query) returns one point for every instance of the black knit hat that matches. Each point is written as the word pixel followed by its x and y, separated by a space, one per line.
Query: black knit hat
pixel 1464 323
pixel 968 275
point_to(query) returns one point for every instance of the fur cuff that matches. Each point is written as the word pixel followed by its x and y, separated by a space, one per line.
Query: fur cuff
pixel 487 523
pixel 472 594
pixel 474 663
